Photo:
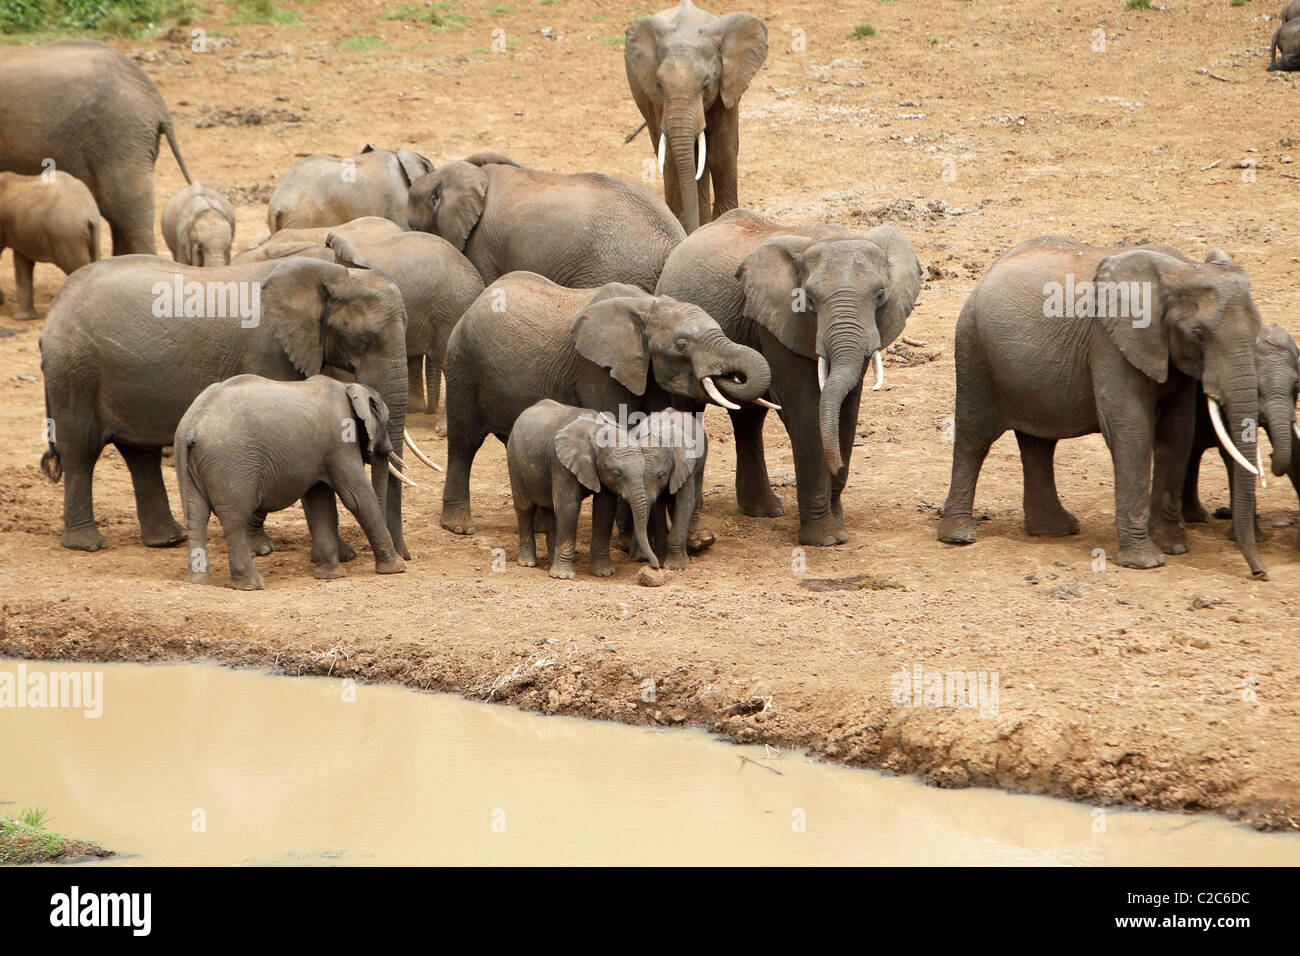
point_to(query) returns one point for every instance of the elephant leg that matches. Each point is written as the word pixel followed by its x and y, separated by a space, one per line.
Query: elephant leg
pixel 818 526
pixel 754 494
pixel 1044 513
pixel 724 146
pixel 565 516
pixel 358 496
pixel 127 204
pixel 548 529
pixel 322 513
pixel 465 437
pixel 197 514
pixel 158 529
pixel 1129 431
pixel 676 552
pixel 258 540
pixel 1174 432
pixel 1193 511
pixel 23 268
pixel 977 424
pixel 603 506
pixel 79 447
pixel 704 194
pixel 243 573
pixel 433 382
pixel 848 432
pixel 525 516
pixel 415 384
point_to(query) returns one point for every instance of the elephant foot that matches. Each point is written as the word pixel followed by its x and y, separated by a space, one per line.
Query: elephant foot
pixel 84 539
pixel 457 520
pixel 1051 523
pixel 327 572
pixel 958 529
pixel 700 539
pixel 250 582
pixel 676 561
pixel 602 567
pixel 1195 513
pixel 562 570
pixel 26 316
pixel 393 565
pixel 346 551
pixel 623 541
pixel 1141 557
pixel 528 559
pixel 1168 537
pixel 824 533
pixel 163 537
pixel 260 543
pixel 769 505
pixel 196 577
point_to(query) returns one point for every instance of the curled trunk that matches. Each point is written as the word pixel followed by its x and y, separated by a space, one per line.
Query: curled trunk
pixel 745 374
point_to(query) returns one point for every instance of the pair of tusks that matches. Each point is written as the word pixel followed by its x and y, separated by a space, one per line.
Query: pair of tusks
pixel 699 164
pixel 717 396
pixel 1216 419
pixel 393 457
pixel 876 362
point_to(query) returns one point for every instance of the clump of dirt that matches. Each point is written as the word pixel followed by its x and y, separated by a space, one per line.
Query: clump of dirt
pixel 256 194
pixel 245 116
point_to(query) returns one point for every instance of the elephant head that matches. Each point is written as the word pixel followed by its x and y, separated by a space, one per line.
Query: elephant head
pixel 448 201
pixel 1278 364
pixel 630 333
pixel 411 164
pixel 602 457
pixel 836 301
pixel 678 68
pixel 206 238
pixel 325 315
pixel 1200 318
pixel 370 415
pixel 673 444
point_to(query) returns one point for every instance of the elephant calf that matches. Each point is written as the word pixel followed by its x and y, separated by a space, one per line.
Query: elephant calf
pixel 682 434
pixel 250 445
pixel 1286 41
pixel 558 455
pixel 198 226
pixel 324 190
pixel 42 220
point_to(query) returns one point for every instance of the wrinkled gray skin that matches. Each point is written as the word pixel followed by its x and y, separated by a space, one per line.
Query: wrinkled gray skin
pixel 437 283
pixel 363 229
pixel 557 456
pixel 250 445
pixel 1290 10
pixel 1050 378
pixel 746 272
pixel 678 439
pixel 687 70
pixel 43 221
pixel 115 373
pixel 198 226
pixel 1284 51
pixel 611 349
pixel 581 230
pixel 1279 386
pixel 98 116
pixel 324 190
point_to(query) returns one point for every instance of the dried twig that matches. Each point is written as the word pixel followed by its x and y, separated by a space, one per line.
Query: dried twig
pixel 1217 162
pixel 744 760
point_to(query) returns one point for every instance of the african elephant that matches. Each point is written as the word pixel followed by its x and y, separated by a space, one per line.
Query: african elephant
pixel 687 70
pixel 437 284
pixel 1277 363
pixel 581 230
pixel 681 435
pixel 1061 339
pixel 131 341
pixel 820 303
pixel 249 445
pixel 615 349
pixel 1286 41
pixel 46 221
pixel 325 190
pixel 364 229
pixel 98 116
pixel 198 226
pixel 558 455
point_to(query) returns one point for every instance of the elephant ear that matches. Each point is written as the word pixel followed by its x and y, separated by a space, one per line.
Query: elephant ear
pixel 288 250
pixel 743 39
pixel 489 158
pixel 682 434
pixel 902 282
pixel 641 58
pixel 345 252
pixel 372 414
pixel 413 165
pixel 1145 345
pixel 611 333
pixel 617 290
pixel 575 448
pixel 459 196
pixel 769 278
pixel 1217 256
pixel 295 301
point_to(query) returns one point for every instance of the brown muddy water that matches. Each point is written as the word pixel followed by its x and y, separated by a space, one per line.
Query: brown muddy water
pixel 199 764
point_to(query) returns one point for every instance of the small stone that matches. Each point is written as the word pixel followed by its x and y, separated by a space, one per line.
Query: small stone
pixel 649 577
pixel 1200 643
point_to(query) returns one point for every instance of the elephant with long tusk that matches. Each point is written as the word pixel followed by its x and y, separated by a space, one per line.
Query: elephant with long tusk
pixel 1061 339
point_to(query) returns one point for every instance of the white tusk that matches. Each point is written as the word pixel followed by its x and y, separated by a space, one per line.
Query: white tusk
pixel 1259 463
pixel 419 454
pixel 699 166
pixel 1295 429
pixel 663 152
pixel 392 470
pixel 766 404
pixel 393 457
pixel 879 364
pixel 1216 418
pixel 821 372
pixel 717 396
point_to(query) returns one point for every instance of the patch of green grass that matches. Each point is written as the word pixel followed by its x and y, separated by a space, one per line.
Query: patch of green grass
pixel 1238 3
pixel 80 17
pixel 933 41
pixel 861 31
pixel 444 15
pixel 501 10
pixel 28 825
pixel 248 12
pixel 619 40
pixel 595 18
pixel 360 41
pixel 545 3
pixel 1138 4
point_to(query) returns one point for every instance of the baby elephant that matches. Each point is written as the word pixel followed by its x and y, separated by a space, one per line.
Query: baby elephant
pixel 558 455
pixel 681 436
pixel 249 446
pixel 46 220
pixel 199 226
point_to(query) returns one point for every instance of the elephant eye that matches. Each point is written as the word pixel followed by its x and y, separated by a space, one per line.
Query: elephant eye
pixel 682 345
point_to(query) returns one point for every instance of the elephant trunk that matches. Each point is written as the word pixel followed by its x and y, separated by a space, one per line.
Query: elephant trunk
pixel 392 389
pixel 640 507
pixel 845 350
pixel 1243 415
pixel 683 124
pixel 1279 411
pixel 741 373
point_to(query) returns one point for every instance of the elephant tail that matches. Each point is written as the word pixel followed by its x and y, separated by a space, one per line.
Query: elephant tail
pixel 51 463
pixel 92 240
pixel 167 129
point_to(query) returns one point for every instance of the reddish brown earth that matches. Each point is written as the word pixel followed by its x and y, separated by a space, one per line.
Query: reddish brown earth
pixel 971 127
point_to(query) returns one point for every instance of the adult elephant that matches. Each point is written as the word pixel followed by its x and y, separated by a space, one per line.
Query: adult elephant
pixel 325 190
pixel 437 284
pixel 97 115
pixel 581 230
pixel 615 349
pixel 130 342
pixel 687 70
pixel 1061 339
pixel 819 303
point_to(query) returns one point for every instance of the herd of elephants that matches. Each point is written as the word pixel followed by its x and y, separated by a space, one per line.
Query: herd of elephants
pixel 586 323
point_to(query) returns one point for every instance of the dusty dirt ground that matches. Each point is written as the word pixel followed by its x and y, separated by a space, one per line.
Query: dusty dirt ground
pixel 970 126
